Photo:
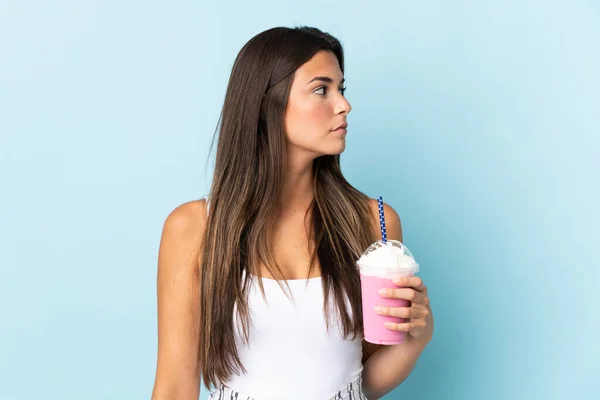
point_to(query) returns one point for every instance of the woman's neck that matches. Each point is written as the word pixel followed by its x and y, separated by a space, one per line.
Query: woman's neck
pixel 298 191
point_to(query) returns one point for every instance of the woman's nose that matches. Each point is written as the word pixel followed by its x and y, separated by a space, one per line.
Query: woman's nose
pixel 343 106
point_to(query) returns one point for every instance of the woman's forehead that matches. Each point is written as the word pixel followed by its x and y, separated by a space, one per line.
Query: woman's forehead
pixel 322 64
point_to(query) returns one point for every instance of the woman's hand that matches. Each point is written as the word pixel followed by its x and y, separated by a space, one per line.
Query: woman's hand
pixel 410 288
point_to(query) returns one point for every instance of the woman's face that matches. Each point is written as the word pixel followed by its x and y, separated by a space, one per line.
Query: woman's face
pixel 317 107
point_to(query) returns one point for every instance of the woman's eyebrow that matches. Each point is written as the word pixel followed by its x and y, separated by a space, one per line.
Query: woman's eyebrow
pixel 324 79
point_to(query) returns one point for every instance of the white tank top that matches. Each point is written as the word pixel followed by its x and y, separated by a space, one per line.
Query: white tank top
pixel 290 355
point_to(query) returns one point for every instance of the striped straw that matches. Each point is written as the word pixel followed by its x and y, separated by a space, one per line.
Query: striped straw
pixel 382 219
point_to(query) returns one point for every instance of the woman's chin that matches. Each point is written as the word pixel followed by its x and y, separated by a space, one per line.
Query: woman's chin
pixel 336 147
pixel 332 149
pixel 340 149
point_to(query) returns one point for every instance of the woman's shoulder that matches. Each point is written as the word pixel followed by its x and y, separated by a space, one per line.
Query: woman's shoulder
pixel 187 220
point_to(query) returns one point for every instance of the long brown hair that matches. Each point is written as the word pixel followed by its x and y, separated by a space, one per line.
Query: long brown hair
pixel 246 189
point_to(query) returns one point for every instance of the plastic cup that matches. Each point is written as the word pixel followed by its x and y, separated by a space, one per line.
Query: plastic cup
pixel 377 273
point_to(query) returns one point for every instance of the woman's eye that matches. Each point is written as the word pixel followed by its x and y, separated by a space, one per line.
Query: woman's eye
pixel 322 91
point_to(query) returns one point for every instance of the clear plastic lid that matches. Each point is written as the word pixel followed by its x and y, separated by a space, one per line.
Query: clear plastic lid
pixel 388 259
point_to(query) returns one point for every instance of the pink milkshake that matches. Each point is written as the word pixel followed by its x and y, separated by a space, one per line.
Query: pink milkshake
pixel 379 265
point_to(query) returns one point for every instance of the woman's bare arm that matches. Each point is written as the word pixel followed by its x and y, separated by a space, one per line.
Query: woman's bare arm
pixel 177 374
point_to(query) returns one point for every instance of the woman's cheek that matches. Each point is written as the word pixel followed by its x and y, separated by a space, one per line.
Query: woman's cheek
pixel 320 117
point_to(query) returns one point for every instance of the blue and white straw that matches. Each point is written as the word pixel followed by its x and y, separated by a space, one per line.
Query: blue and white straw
pixel 382 219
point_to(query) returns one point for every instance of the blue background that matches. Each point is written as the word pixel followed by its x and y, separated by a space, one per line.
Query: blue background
pixel 477 121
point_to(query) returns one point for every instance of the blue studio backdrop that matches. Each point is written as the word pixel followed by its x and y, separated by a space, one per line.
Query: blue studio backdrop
pixel 478 121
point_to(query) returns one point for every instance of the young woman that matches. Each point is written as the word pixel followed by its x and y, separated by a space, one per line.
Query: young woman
pixel 258 292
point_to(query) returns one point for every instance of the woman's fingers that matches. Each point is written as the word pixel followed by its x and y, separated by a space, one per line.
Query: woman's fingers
pixel 414 282
pixel 404 293
pixel 406 326
pixel 414 312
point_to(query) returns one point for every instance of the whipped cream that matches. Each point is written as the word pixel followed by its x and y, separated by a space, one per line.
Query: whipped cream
pixel 387 259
